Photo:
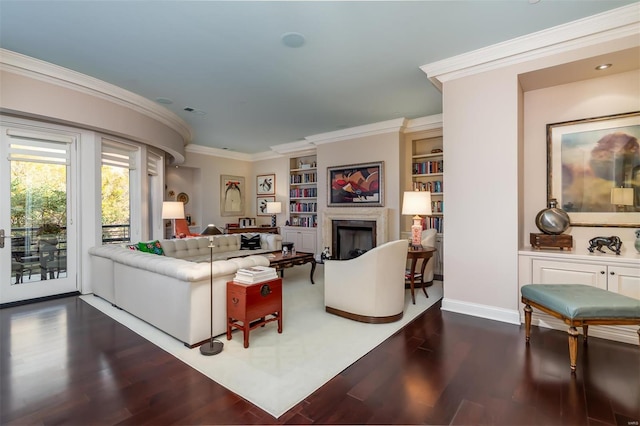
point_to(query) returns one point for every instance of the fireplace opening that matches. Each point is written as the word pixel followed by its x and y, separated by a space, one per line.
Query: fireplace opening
pixel 352 238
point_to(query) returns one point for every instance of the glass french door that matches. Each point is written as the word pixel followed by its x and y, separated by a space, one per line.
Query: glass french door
pixel 38 247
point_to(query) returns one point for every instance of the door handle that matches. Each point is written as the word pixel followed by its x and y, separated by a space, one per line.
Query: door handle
pixel 2 237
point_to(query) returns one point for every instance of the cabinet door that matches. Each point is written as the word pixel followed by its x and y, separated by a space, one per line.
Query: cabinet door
pixel 555 272
pixel 625 281
pixel 308 241
pixel 290 236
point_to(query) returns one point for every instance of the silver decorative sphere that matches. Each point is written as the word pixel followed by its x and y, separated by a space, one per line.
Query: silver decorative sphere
pixel 552 220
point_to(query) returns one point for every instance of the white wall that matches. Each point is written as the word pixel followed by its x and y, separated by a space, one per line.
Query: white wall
pixel 613 94
pixel 487 215
pixel 32 97
pixel 279 167
pixel 383 147
pixel 481 197
pixel 208 198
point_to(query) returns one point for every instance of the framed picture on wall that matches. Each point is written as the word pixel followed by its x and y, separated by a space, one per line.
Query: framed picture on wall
pixel 261 205
pixel 593 169
pixel 356 185
pixel 266 184
pixel 231 195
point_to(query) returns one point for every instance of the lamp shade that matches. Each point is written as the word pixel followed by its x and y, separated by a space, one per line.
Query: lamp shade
pixel 622 196
pixel 274 207
pixel 416 203
pixel 211 229
pixel 173 210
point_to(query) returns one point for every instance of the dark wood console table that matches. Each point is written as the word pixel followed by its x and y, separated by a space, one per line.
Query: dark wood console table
pixel 424 253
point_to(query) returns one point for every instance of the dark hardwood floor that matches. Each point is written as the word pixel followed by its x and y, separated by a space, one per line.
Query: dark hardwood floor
pixel 64 362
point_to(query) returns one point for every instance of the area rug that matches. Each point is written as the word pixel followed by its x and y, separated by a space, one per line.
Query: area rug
pixel 278 371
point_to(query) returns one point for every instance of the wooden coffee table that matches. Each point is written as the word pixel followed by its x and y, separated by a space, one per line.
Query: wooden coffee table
pixel 281 262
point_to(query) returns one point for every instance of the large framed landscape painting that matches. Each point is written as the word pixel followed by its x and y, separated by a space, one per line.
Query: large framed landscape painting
pixel 593 168
pixel 231 195
pixel 356 185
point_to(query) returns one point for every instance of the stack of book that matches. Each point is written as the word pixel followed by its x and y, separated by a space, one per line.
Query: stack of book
pixel 255 274
pixel 416 275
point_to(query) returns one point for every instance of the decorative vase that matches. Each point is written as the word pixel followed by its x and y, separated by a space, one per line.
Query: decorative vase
pixel 638 241
pixel 552 220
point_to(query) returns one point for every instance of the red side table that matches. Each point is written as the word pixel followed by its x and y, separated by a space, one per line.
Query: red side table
pixel 253 305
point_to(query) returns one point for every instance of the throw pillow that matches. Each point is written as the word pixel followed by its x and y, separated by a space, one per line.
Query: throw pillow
pixel 249 243
pixel 151 247
pixel 133 247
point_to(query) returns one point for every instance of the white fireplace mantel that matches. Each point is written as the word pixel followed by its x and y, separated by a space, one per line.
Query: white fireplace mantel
pixel 379 214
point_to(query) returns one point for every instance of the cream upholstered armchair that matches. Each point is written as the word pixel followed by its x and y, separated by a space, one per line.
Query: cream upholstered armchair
pixel 429 240
pixel 369 288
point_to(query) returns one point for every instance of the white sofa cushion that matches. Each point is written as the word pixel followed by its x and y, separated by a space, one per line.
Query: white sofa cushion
pixel 225 247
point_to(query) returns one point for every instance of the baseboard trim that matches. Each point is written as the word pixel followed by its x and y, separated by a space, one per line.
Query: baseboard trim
pixel 482 311
pixel 38 299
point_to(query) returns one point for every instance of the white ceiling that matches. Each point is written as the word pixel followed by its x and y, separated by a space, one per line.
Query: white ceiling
pixel 359 64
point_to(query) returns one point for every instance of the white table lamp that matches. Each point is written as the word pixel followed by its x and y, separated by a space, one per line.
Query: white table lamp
pixel 416 203
pixel 173 210
pixel 274 207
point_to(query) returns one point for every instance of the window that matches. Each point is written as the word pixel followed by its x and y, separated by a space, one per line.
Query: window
pixel 118 165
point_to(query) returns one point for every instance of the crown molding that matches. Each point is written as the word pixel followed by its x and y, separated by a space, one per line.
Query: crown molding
pixel 44 71
pixel 217 152
pixel 430 122
pixel 607 26
pixel 293 147
pixel 380 128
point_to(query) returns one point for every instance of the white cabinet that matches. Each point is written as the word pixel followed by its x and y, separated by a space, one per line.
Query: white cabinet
pixel 304 240
pixel 547 271
pixel 624 280
pixel 616 274
pixel 619 279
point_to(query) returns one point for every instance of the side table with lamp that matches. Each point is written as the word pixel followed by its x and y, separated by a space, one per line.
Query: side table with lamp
pixel 417 203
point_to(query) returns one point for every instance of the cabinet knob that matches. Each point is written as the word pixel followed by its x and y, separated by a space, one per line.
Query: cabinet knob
pixel 612 273
pixel 602 272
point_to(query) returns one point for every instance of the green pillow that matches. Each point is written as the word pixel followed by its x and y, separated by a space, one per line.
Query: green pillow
pixel 151 247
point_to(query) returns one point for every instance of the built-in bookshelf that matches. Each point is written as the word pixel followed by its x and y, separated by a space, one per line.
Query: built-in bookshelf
pixel 427 174
pixel 303 192
pixel 427 171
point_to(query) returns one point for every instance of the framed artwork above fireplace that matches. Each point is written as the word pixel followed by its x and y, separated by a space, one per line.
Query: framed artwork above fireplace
pixel 356 185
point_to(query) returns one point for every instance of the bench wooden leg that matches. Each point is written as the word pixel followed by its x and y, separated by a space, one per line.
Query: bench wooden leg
pixel 573 347
pixel 527 322
pixel 585 333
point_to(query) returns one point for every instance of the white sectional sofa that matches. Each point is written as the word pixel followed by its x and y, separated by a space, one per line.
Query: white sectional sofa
pixel 172 291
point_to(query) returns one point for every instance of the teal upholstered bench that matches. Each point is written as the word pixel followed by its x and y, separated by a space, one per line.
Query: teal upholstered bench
pixel 579 306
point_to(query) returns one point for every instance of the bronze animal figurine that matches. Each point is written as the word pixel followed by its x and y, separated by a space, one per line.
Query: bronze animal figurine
pixel 612 243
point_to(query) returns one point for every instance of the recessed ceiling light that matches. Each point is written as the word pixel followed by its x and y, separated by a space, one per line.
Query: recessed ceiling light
pixel 603 67
pixel 164 101
pixel 195 111
pixel 292 39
